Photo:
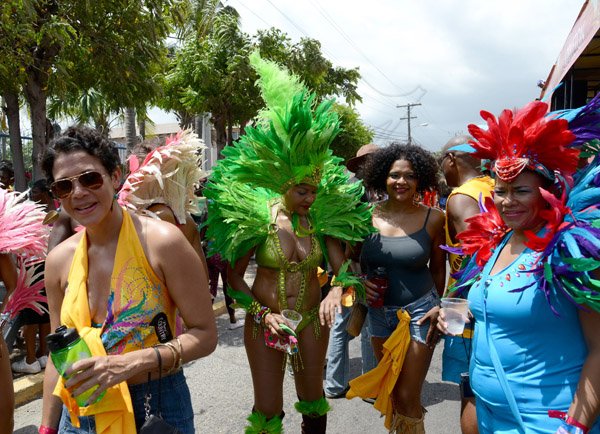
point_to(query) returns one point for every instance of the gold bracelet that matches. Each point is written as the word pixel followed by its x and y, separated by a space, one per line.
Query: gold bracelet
pixel 173 353
pixel 176 360
pixel 180 352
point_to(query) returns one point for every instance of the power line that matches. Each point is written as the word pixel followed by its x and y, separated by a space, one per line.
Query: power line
pixel 347 38
pixel 417 88
pixel 289 19
pixel 253 13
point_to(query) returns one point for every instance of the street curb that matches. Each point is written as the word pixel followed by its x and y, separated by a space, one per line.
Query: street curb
pixel 30 387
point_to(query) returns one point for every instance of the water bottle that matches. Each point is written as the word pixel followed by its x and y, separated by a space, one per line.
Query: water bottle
pixel 381 281
pixel 66 347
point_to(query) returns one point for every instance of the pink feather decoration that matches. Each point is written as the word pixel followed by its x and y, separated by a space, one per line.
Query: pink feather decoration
pixel 21 225
pixel 26 294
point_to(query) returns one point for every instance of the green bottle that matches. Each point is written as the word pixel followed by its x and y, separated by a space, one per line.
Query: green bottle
pixel 66 347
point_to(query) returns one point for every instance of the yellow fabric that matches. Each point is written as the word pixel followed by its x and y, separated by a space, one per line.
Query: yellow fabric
pixel 323 276
pixel 137 297
pixel 380 382
pixel 474 187
pixel 114 412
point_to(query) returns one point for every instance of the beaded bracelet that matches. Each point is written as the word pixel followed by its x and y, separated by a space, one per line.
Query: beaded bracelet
pixel 260 316
pixel 47 430
pixel 254 307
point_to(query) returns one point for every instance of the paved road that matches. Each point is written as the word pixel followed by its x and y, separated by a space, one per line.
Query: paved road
pixel 221 390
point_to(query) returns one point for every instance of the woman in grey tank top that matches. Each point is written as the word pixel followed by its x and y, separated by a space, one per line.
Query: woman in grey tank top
pixel 406 246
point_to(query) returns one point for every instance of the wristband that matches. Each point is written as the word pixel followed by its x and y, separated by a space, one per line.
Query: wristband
pixel 568 420
pixel 47 430
pixel 260 316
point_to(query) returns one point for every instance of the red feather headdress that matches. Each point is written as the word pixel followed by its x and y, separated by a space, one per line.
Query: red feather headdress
pixel 525 138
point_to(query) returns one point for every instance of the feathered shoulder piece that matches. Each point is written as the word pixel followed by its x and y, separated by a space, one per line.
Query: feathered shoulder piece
pixel 571 257
pixel 167 175
pixel 525 138
pixel 569 243
pixel 290 143
pixel 240 215
pixel 22 231
pixel 484 232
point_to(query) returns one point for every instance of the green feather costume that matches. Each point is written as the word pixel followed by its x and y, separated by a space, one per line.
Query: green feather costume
pixel 288 146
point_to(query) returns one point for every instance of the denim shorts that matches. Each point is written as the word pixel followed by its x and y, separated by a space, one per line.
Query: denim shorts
pixel 384 320
pixel 175 403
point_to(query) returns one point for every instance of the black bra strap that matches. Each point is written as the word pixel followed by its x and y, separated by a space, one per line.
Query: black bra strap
pixel 427 218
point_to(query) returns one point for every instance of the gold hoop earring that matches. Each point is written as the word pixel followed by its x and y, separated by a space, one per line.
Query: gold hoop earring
pixel 417 198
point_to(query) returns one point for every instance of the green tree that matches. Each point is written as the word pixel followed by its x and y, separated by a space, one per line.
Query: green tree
pixel 115 47
pixel 354 133
pixel 212 74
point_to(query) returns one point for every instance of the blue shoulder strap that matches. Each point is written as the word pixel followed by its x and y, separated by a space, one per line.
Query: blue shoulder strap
pixel 510 397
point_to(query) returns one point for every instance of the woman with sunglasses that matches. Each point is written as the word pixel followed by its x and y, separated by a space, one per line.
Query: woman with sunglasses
pixel 119 282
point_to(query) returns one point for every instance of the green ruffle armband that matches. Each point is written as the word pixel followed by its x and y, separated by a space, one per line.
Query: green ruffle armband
pixel 313 408
pixel 346 278
pixel 259 424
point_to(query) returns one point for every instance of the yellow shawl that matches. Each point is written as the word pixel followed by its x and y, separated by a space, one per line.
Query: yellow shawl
pixel 380 382
pixel 114 412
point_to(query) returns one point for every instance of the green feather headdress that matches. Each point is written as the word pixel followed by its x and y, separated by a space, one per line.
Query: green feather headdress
pixel 290 143
pixel 289 146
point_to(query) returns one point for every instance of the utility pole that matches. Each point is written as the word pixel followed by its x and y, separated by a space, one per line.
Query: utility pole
pixel 408 117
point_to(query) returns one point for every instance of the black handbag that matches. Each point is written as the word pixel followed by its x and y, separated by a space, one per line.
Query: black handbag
pixel 154 423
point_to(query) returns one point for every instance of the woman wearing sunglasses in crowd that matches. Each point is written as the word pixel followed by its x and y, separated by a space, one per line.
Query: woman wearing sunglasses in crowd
pixel 119 287
pixel 533 276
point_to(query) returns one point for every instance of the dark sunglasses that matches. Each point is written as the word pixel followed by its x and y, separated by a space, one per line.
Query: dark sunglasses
pixel 63 188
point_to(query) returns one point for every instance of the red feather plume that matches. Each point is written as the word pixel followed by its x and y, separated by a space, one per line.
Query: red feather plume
pixel 485 231
pixel 554 216
pixel 525 138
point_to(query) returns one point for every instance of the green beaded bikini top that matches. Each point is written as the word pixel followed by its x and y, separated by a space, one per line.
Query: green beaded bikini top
pixel 270 254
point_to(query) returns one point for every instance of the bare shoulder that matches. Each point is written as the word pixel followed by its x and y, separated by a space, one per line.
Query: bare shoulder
pixel 163 212
pixel 436 218
pixel 156 233
pixel 59 258
pixel 458 202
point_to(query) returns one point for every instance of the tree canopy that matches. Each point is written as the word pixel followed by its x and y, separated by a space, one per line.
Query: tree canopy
pixel 212 74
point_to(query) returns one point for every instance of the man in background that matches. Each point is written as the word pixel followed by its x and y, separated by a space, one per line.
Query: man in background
pixel 463 173
pixel 338 361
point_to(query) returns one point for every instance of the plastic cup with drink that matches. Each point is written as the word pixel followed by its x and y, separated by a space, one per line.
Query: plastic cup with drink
pixel 292 317
pixel 455 312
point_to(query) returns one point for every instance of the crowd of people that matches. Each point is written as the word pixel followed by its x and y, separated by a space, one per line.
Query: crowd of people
pixel 125 267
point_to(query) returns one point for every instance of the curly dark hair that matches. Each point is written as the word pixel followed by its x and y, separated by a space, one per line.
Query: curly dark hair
pixel 375 171
pixel 81 138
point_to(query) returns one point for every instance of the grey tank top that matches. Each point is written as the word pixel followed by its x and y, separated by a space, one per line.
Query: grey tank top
pixel 406 261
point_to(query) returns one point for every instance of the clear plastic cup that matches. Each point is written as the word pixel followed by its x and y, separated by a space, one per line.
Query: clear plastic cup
pixel 292 317
pixel 456 311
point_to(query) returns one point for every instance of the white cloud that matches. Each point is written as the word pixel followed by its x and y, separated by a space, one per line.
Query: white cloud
pixel 469 55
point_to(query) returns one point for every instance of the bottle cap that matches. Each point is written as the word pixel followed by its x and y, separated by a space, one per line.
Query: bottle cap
pixel 61 338
pixel 380 271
